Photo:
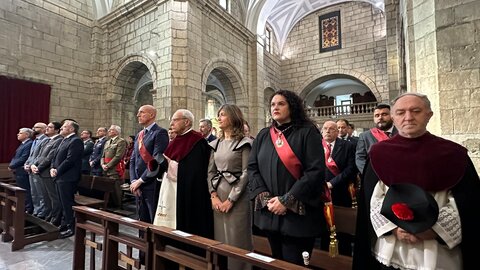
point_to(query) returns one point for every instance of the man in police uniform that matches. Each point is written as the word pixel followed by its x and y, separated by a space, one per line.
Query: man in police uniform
pixel 111 159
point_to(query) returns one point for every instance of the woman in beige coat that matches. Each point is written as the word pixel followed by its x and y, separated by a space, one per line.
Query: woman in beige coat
pixel 227 181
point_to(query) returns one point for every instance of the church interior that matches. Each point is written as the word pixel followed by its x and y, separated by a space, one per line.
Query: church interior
pixel 98 61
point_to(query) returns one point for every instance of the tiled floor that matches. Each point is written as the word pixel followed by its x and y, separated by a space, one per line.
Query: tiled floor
pixel 56 255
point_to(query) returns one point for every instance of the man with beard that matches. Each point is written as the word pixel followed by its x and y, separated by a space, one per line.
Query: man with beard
pixel 383 130
pixel 40 208
pixel 41 167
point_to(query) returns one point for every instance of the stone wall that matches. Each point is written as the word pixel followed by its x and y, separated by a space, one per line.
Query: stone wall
pixel 50 42
pixel 444 63
pixel 363 53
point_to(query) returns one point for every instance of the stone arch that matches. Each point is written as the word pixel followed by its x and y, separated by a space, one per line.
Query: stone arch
pixel 307 86
pixel 134 84
pixel 228 77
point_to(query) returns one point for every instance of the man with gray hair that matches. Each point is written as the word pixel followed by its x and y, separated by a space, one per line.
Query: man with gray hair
pixel 186 162
pixel 205 127
pixel 111 160
pixel 396 233
pixel 18 161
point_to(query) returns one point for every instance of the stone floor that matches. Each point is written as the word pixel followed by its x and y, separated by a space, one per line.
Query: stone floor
pixel 57 254
pixel 38 256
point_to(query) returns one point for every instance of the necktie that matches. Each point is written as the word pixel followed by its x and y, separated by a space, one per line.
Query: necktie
pixel 329 150
pixel 389 134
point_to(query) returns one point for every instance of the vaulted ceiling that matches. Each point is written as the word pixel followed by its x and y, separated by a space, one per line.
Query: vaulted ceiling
pixel 282 15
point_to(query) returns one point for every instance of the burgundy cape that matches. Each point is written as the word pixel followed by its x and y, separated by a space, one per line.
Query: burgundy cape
pixel 432 163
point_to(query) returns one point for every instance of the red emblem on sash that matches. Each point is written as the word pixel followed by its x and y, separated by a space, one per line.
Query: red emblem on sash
pixel 285 153
pixel 329 162
pixel 294 166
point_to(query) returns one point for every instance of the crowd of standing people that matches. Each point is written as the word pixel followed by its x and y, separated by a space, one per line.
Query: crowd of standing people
pixel 221 185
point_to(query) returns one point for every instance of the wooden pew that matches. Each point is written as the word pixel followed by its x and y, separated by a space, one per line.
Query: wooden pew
pixel 13 220
pixel 87 222
pixel 108 224
pixel 223 252
pixel 6 176
pixel 345 220
pixel 155 242
pixel 163 252
pixel 115 237
pixel 103 184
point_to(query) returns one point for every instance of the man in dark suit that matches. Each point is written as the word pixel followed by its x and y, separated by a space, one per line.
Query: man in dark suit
pixel 340 163
pixel 341 172
pixel 96 155
pixel 41 167
pixel 16 165
pixel 149 143
pixel 343 128
pixel 383 130
pixel 205 127
pixel 66 170
pixel 86 137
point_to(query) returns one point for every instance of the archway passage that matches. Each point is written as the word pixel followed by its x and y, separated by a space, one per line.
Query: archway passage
pixel 219 90
pixel 135 84
pixel 338 96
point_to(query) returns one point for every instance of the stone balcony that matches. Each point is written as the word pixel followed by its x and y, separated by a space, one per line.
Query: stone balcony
pixel 360 114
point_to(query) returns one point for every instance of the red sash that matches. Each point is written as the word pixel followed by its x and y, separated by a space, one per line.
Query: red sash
pixel 329 162
pixel 146 156
pixel 120 168
pixel 294 166
pixel 378 134
pixel 285 153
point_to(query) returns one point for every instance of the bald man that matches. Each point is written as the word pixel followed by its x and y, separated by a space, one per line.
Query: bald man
pixel 150 142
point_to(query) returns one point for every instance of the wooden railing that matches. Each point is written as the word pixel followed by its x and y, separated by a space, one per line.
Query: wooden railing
pixel 161 246
pixel 342 110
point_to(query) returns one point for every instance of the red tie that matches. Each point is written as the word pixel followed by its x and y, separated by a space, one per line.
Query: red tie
pixel 329 150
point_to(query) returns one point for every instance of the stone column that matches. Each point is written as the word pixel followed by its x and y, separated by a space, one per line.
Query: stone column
pixel 444 63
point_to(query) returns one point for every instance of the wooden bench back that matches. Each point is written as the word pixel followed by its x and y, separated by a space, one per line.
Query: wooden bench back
pixel 345 222
pixel 92 182
pixel 6 176
pixel 155 242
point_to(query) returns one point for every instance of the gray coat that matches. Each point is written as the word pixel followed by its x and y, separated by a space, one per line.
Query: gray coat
pixel 365 141
pixel 45 157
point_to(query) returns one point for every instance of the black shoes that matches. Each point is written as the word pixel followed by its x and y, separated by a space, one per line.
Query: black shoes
pixel 66 234
pixel 62 228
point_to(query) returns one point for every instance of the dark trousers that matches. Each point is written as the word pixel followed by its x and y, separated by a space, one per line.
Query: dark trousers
pixel 56 205
pixel 146 206
pixel 23 182
pixel 289 248
pixel 66 192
